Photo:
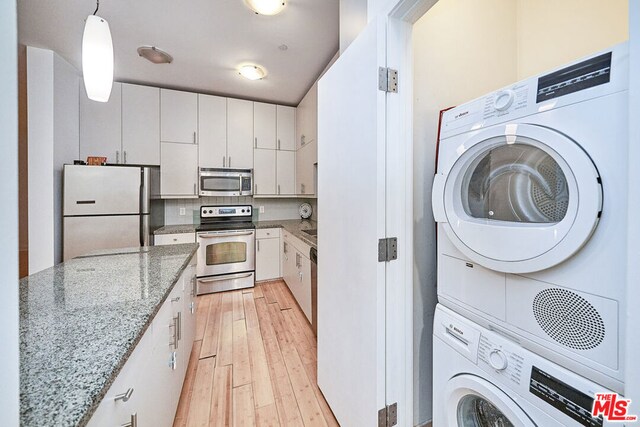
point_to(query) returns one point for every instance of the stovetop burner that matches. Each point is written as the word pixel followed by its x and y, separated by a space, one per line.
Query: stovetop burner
pixel 215 218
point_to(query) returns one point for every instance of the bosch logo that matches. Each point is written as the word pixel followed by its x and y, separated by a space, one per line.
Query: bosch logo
pixel 464 113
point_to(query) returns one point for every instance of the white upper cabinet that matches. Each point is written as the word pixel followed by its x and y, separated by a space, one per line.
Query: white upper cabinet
pixel 239 134
pixel 286 127
pixel 179 170
pixel 306 157
pixel 264 172
pixel 286 172
pixel 178 116
pixel 140 125
pixel 307 118
pixel 264 125
pixel 101 126
pixel 212 131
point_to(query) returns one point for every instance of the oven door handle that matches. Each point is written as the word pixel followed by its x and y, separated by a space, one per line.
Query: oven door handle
pixel 211 236
pixel 220 279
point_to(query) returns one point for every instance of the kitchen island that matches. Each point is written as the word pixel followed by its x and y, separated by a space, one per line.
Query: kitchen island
pixel 80 321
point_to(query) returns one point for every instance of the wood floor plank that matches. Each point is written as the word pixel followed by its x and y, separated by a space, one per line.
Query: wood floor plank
pixel 257 291
pixel 224 353
pixel 202 311
pixel 241 364
pixel 199 407
pixel 222 397
pixel 283 295
pixel 267 416
pixel 306 352
pixel 187 387
pixel 212 330
pixel 238 307
pixel 269 292
pixel 243 408
pixel 261 379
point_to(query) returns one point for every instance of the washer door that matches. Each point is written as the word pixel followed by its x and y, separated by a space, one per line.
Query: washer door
pixel 519 198
pixel 474 402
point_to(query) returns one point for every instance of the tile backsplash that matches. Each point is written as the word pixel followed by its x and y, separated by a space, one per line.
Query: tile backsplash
pixel 273 208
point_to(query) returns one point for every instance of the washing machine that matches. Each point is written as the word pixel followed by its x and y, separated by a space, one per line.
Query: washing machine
pixel 530 198
pixel 482 379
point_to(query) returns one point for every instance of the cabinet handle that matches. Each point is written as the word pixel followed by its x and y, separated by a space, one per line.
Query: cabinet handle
pixel 117 156
pixel 179 328
pixel 258 243
pixel 278 188
pixel 224 158
pixel 302 140
pixel 176 299
pixel 301 188
pixel 124 156
pixel 278 144
pixel 285 247
pixel 133 422
pixel 174 339
pixel 124 396
pixel 229 161
pixel 173 362
pixel 194 137
pixel 192 307
pixel 255 142
pixel 300 273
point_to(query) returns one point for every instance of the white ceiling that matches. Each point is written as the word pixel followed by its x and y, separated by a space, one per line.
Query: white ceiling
pixel 208 39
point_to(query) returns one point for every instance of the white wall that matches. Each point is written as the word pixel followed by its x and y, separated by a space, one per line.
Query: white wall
pixel 9 356
pixel 53 129
pixel 552 33
pixel 449 43
pixel 353 19
pixel 632 377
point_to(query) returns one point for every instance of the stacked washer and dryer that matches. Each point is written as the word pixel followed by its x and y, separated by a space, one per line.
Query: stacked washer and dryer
pixel 530 198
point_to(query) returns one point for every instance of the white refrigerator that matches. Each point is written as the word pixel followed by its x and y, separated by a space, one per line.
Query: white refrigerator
pixel 109 207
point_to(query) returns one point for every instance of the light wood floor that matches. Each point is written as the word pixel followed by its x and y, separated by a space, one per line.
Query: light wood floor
pixel 253 363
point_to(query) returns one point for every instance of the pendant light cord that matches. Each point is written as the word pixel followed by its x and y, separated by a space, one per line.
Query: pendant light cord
pixel 97 6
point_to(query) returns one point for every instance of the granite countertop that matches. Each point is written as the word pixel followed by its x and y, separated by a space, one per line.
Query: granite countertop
pixel 293 226
pixel 80 321
pixel 176 229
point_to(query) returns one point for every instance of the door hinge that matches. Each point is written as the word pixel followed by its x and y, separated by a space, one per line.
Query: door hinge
pixel 388 416
pixel 387 249
pixel 388 79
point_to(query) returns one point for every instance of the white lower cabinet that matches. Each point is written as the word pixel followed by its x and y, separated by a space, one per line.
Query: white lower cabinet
pixel 268 254
pixel 297 272
pixel 147 390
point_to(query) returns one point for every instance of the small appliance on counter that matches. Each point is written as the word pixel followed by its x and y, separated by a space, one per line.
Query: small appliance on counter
pixel 226 256
pixel 109 207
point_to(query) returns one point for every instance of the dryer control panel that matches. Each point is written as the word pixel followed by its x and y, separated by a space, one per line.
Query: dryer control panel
pixel 505 360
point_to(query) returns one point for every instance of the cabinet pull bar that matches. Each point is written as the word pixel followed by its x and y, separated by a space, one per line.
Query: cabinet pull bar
pixel 133 422
pixel 117 156
pixel 255 142
pixel 124 155
pixel 124 396
pixel 194 137
pixel 224 158
pixel 229 161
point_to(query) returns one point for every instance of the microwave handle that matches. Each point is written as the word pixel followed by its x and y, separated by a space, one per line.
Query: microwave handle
pixel 224 158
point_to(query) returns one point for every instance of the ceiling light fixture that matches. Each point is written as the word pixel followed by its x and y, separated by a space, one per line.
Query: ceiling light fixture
pixel 155 55
pixel 266 7
pixel 252 72
pixel 97 57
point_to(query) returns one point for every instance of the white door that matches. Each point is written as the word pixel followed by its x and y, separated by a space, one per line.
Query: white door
pixel 239 134
pixel 286 172
pixel 518 198
pixel 351 281
pixel 179 166
pixel 101 126
pixel 212 131
pixel 178 116
pixel 264 125
pixel 264 172
pixel 286 127
pixel 140 125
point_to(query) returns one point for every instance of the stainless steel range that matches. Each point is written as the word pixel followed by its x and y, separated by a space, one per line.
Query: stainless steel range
pixel 226 257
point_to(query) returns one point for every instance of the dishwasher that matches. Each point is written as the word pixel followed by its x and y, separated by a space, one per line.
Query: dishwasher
pixel 313 256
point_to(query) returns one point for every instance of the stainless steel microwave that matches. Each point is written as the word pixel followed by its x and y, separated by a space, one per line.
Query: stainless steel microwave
pixel 226 182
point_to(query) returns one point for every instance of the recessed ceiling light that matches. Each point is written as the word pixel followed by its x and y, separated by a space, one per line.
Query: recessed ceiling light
pixel 252 72
pixel 266 7
pixel 155 55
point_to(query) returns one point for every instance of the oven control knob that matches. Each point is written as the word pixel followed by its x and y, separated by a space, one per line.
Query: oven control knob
pixel 498 360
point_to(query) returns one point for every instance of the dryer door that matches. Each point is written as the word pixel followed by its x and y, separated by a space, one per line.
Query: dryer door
pixel 519 198
pixel 474 402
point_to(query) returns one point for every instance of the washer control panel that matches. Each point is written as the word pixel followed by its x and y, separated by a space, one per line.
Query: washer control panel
pixel 501 359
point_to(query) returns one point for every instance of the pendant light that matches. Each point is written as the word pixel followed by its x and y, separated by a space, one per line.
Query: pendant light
pixel 252 72
pixel 266 7
pixel 97 58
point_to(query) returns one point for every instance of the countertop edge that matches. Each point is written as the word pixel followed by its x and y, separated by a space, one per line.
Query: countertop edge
pixel 103 392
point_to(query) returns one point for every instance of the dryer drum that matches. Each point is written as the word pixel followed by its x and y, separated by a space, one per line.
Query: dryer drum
pixel 516 183
pixel 568 318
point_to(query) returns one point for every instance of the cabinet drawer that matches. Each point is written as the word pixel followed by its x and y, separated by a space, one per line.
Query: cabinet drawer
pixel 267 233
pixel 174 239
